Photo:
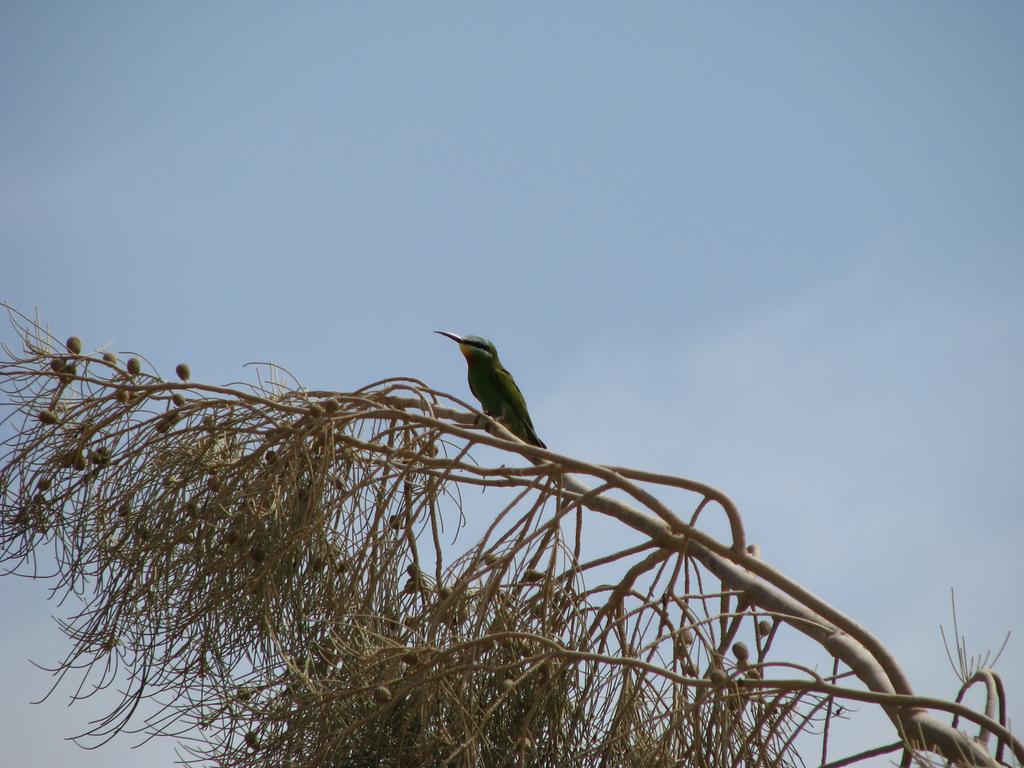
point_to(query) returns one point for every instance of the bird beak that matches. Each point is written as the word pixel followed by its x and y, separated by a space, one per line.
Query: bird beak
pixel 452 336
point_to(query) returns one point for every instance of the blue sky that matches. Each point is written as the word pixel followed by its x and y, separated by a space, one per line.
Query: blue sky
pixel 776 247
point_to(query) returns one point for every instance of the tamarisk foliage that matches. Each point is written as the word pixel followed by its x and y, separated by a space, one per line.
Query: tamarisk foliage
pixel 267 574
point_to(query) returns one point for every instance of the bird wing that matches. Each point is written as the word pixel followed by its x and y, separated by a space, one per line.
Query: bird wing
pixel 517 404
pixel 477 395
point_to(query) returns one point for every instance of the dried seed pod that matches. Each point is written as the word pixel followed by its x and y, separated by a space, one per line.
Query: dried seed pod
pixel 44 484
pixel 315 409
pixel 74 345
pixel 178 399
pixel 124 395
pixel 252 739
pixel 167 421
pixel 110 357
pixel 100 456
pixel 680 648
pixel 397 521
pixel 764 627
pixel 508 684
pixel 183 371
pixel 47 416
pixel 270 456
pixel 80 462
pixel 457 615
pixel 330 404
pixel 382 694
pixel 410 658
pixel 740 651
pixel 717 676
pixel 521 647
pixel 57 364
pixel 69 370
pixel 533 575
pixel 134 366
pixel 490 558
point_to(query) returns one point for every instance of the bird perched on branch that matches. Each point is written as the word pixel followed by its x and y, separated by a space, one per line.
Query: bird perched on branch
pixel 495 388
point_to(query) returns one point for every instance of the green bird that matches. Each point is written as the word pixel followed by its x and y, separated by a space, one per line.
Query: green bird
pixel 495 388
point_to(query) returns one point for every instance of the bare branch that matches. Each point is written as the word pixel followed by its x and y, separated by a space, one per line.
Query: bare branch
pixel 274 576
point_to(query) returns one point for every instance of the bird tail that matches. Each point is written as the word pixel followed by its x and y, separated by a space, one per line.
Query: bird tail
pixel 522 429
pixel 531 437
